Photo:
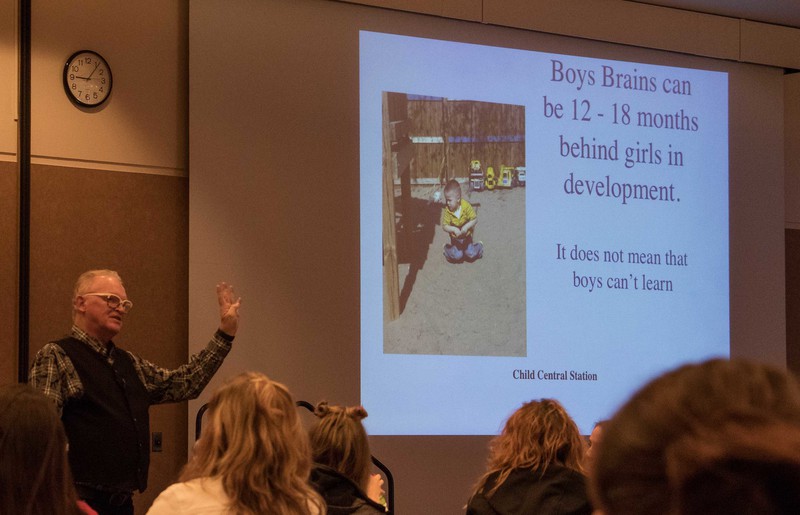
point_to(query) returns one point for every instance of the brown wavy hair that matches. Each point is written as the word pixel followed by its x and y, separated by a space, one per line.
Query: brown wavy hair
pixel 338 440
pixel 537 435
pixel 716 437
pixel 256 445
pixel 35 477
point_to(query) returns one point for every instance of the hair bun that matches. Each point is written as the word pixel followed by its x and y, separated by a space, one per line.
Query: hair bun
pixel 357 412
pixel 322 409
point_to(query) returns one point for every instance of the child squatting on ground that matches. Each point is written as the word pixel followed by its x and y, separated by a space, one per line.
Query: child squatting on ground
pixel 458 220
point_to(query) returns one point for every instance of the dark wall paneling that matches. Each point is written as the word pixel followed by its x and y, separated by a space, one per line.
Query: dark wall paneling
pixel 9 264
pixel 793 300
pixel 135 224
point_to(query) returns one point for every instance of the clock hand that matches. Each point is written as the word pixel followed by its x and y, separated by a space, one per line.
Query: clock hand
pixel 79 77
pixel 95 69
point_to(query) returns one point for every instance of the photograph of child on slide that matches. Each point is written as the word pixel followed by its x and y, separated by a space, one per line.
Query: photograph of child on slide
pixel 453 226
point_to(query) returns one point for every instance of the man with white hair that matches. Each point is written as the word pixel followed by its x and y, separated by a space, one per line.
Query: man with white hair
pixel 103 393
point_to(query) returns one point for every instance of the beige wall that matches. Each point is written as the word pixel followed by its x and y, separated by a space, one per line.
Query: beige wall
pixel 9 192
pixel 8 80
pixel 109 187
pixel 142 128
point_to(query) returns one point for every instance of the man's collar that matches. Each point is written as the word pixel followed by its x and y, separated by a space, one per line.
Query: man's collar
pixel 91 341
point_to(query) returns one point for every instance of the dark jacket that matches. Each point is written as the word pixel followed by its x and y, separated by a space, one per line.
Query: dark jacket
pixel 108 427
pixel 559 491
pixel 342 496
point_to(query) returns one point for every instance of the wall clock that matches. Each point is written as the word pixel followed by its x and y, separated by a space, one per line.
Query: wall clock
pixel 87 78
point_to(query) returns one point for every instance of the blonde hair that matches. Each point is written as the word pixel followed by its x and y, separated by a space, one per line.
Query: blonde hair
pixel 85 278
pixel 537 435
pixel 256 445
pixel 338 440
pixel 722 434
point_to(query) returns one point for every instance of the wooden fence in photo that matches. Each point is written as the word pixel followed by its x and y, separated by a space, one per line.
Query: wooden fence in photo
pixel 430 140
pixel 446 135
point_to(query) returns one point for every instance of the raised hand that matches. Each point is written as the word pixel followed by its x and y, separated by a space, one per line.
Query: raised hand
pixel 228 308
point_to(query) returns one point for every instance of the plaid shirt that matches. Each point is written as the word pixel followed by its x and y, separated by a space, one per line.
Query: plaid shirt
pixel 54 374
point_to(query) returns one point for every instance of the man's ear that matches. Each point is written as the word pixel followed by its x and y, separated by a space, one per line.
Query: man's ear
pixel 79 303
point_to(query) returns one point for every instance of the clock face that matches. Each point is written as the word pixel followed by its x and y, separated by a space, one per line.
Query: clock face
pixel 87 78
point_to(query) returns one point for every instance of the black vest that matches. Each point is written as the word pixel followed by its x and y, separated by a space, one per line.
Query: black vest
pixel 108 427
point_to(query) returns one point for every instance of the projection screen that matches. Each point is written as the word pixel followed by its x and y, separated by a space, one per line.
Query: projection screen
pixel 632 220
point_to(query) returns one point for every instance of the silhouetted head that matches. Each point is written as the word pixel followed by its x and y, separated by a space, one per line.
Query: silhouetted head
pixel 717 437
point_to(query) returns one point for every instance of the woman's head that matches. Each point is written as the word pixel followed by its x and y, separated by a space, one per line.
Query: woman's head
pixel 594 439
pixel 539 434
pixel 722 434
pixel 338 440
pixel 34 473
pixel 255 443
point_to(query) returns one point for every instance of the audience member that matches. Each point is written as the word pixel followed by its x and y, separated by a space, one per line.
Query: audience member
pixel 103 393
pixel 719 437
pixel 253 457
pixel 535 466
pixel 342 462
pixel 594 440
pixel 35 478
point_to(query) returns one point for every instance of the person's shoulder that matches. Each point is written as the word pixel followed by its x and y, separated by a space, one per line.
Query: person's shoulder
pixel 561 473
pixel 200 495
pixel 61 346
pixel 53 346
pixel 554 476
pixel 50 349
pixel 557 489
pixel 132 355
pixel 194 487
pixel 571 486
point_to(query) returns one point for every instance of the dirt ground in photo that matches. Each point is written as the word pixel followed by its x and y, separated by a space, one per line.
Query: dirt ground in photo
pixel 469 309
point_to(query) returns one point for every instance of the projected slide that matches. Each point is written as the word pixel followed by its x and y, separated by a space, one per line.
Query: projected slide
pixel 533 225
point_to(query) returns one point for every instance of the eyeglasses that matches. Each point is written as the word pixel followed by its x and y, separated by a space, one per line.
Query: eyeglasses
pixel 113 301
